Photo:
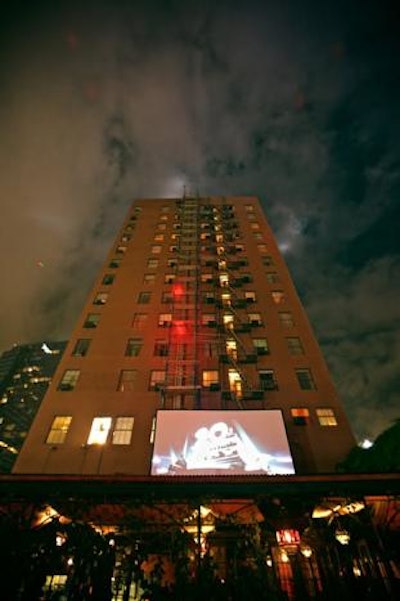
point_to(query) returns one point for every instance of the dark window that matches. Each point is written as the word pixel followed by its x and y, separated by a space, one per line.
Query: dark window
pixel 295 346
pixel 127 380
pixel 114 263
pixel 133 347
pixel 267 379
pixel 69 379
pixel 139 320
pixel 92 320
pixel 108 279
pixel 144 298
pixel 81 347
pixel 300 415
pixel 261 346
pixel 161 348
pixel 305 379
pixel 100 298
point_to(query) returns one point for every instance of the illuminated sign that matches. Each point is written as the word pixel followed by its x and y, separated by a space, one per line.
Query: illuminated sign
pixel 221 442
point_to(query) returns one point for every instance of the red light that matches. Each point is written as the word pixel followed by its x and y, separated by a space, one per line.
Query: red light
pixel 178 290
pixel 288 537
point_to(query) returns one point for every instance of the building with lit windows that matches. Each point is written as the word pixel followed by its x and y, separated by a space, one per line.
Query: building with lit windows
pixel 194 312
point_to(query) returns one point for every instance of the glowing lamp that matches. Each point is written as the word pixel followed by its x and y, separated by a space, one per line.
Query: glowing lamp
pixel 342 536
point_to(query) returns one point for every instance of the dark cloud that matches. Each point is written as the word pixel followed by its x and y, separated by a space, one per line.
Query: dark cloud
pixel 297 103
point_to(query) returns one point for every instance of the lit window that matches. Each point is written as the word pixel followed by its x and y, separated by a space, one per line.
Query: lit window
pixel 235 383
pixel 144 298
pixel 127 380
pixel 157 378
pixel 92 320
pixel 286 319
pixel 59 429
pixel 267 379
pixel 272 277
pixel 152 263
pixel 122 433
pixel 257 236
pixel 156 249
pixel 99 430
pixel 100 298
pixel 153 430
pixel 120 250
pixel 255 319
pixel 172 262
pixel 169 278
pixel 239 248
pixel 125 237
pixel 149 278
pixel 81 347
pixel 133 347
pixel 161 348
pixel 250 296
pixel 159 238
pixel 294 345
pixel 254 225
pixel 69 379
pixel 262 248
pixel 249 208
pixel 261 346
pixel 300 415
pixel 228 320
pixel 326 417
pixel 305 379
pixel 165 319
pixel 108 279
pixel 278 297
pixel 210 378
pixel 114 263
pixel 224 280
pixel 139 321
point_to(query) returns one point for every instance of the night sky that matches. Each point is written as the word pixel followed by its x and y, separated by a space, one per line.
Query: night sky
pixel 296 102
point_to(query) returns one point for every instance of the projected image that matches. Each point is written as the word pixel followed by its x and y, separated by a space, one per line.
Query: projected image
pixel 220 442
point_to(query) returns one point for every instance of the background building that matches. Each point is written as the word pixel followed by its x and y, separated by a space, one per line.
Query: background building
pixel 25 373
pixel 193 312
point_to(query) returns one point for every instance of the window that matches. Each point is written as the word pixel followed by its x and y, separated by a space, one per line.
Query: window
pixel 149 278
pixel 81 347
pixel 326 417
pixel 100 298
pixel 99 430
pixel 161 226
pixel 69 379
pixel 305 379
pixel 250 296
pixel 165 319
pixel 159 238
pixel 261 346
pixel 92 320
pixel 255 319
pixel 133 347
pixel 254 225
pixel 267 261
pixel 211 350
pixel 209 298
pixel 120 250
pixel 59 429
pixel 169 278
pixel 246 278
pixel 272 277
pixel 161 348
pixel 125 237
pixel 257 236
pixel 300 415
pixel 172 262
pixel 127 380
pixel 114 263
pixel 224 280
pixel 108 279
pixel 139 321
pixel 156 249
pixel 262 248
pixel 278 297
pixel 286 319
pixel 294 345
pixel 152 263
pixel 167 297
pixel 206 278
pixel 157 378
pixel 144 298
pixel 122 433
pixel 249 208
pixel 210 378
pixel 208 319
pixel 267 379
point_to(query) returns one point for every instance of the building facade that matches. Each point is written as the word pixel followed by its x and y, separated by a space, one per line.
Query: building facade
pixel 194 314
pixel 25 373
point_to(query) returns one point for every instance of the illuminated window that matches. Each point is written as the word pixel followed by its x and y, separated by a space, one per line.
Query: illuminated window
pixel 156 249
pixel 133 347
pixel 249 208
pixel 159 238
pixel 224 280
pixel 254 225
pixel 286 319
pixel 125 237
pixel 326 417
pixel 161 348
pixel 157 378
pixel 99 430
pixel 210 378
pixel 165 319
pixel 300 415
pixel 294 345
pixel 144 298
pixel 139 321
pixel 81 347
pixel 235 383
pixel 122 433
pixel 257 236
pixel 59 429
pixel 231 348
pixel 152 263
pixel 262 248
pixel 267 379
pixel 92 320
pixel 250 296
pixel 100 298
pixel 120 250
pixel 239 248
pixel 254 319
pixel 149 278
pixel 261 346
pixel 108 279
pixel 169 278
pixel 278 297
pixel 127 380
pixel 114 263
pixel 226 299
pixel 272 277
pixel 172 262
pixel 153 430
pixel 69 379
pixel 305 379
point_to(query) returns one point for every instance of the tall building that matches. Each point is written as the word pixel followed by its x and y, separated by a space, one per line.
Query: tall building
pixel 25 373
pixel 193 355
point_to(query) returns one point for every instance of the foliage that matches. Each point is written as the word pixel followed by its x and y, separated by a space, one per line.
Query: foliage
pixel 383 456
